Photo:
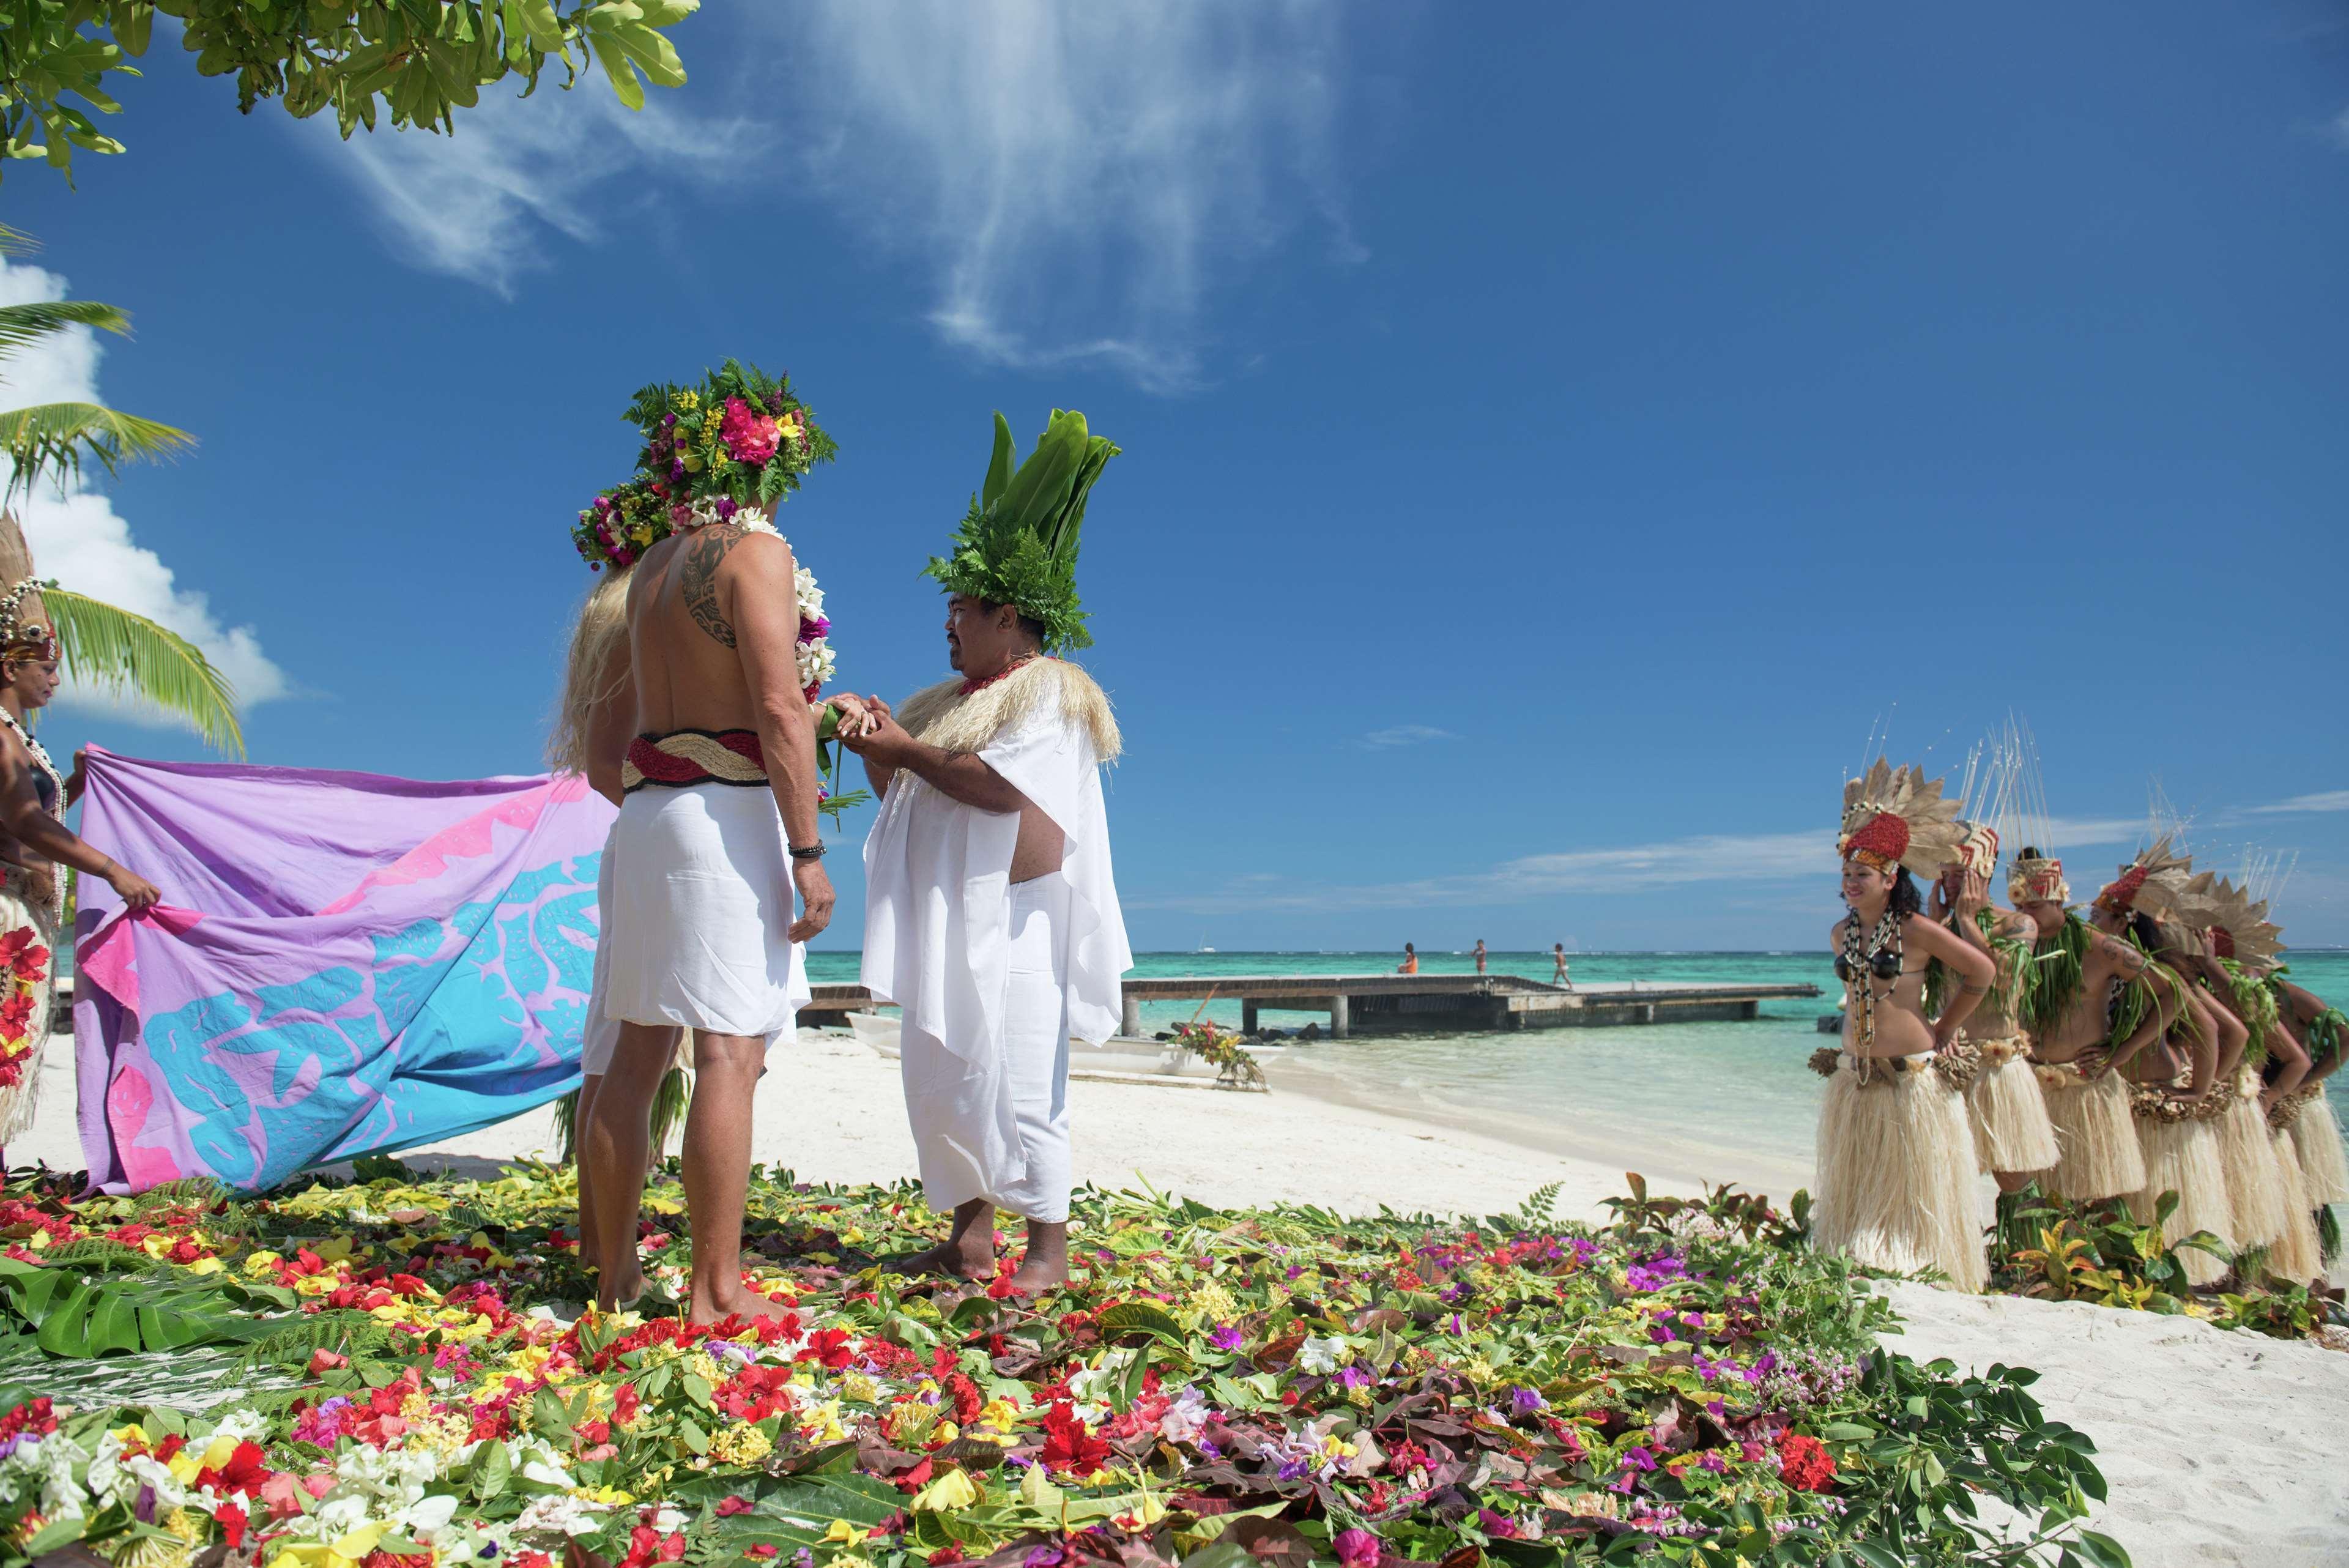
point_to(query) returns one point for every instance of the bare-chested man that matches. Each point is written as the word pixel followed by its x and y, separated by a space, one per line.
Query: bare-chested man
pixel 2069 1014
pixel 717 828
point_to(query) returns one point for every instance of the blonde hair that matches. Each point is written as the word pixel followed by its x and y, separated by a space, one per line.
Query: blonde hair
pixel 603 623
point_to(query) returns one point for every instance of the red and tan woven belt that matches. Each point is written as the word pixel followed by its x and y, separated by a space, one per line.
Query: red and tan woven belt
pixel 686 757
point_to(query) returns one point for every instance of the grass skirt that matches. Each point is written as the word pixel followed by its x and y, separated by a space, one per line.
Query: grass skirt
pixel 2255 1185
pixel 2294 1255
pixel 1896 1176
pixel 2012 1132
pixel 24 1004
pixel 2097 1154
pixel 2323 1164
pixel 2181 1155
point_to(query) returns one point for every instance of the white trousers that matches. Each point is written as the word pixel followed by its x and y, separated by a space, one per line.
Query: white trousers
pixel 998 1127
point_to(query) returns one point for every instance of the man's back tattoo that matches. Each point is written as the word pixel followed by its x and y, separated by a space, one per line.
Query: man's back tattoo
pixel 699 581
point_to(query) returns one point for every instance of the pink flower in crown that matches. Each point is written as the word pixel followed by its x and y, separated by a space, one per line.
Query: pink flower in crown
pixel 750 435
pixel 680 515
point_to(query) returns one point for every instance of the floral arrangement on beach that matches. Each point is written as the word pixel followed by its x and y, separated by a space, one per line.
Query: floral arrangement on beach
pixel 1236 1067
pixel 377 1375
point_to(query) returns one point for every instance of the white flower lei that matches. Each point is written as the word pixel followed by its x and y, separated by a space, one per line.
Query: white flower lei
pixel 816 659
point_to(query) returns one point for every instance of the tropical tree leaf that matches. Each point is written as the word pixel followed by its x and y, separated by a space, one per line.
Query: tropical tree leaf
pixel 23 324
pixel 118 650
pixel 62 436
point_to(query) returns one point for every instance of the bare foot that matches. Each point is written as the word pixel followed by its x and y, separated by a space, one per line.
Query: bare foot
pixel 957 1260
pixel 1036 1275
pixel 623 1285
pixel 715 1305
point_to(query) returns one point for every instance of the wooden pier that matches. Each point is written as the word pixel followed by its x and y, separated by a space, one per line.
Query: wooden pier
pixel 1423 1004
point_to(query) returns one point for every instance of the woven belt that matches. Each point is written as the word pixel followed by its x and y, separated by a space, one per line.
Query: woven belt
pixel 688 757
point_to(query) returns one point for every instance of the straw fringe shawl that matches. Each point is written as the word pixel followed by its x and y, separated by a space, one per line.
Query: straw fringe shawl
pixel 2011 1131
pixel 1896 1178
pixel 2296 1255
pixel 2323 1163
pixel 2255 1187
pixel 1905 792
pixel 943 717
pixel 2182 1157
pixel 2097 1137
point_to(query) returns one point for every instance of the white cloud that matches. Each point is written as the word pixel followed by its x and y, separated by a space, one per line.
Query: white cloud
pixel 2340 130
pixel 1073 173
pixel 482 203
pixel 2323 800
pixel 79 539
pixel 1407 736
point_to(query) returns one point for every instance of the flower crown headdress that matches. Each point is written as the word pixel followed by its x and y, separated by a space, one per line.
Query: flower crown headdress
pixel 1018 544
pixel 1896 816
pixel 741 435
pixel 20 642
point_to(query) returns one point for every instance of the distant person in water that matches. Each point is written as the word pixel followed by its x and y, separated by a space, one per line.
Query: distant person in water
pixel 1410 964
pixel 1557 958
pixel 1480 955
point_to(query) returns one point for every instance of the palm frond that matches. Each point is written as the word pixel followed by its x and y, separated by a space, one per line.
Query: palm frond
pixel 115 650
pixel 64 435
pixel 23 324
pixel 17 242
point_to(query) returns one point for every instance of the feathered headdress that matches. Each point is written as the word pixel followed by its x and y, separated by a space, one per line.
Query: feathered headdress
pixel 2240 927
pixel 1896 816
pixel 2036 876
pixel 2153 884
pixel 1018 544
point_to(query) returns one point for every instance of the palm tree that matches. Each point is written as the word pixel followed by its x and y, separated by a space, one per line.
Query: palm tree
pixel 103 645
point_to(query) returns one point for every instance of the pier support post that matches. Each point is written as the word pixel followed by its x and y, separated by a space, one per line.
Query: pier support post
pixel 1341 1021
pixel 1130 1019
pixel 1247 1016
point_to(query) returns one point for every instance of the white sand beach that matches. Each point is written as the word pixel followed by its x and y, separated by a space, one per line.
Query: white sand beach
pixel 2220 1447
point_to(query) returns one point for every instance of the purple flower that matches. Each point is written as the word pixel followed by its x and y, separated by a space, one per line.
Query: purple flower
pixel 1661 1332
pixel 1638 1459
pixel 727 508
pixel 1227 1336
pixel 1711 1459
pixel 1525 1401
pixel 1716 1409
pixel 1353 1377
pixel 1043 1557
pixel 1294 1270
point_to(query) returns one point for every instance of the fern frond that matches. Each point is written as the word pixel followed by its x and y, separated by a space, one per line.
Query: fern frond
pixel 115 650
pixel 98 1252
pixel 345 1332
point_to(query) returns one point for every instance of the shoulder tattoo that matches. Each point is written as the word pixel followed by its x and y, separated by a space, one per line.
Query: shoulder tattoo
pixel 698 579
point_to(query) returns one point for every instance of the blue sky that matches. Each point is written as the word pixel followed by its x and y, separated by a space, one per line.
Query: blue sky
pixel 1555 437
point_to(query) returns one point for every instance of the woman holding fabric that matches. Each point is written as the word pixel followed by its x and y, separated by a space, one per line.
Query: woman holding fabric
pixel 33 844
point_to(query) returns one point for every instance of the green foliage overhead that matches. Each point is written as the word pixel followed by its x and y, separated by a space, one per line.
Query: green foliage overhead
pixel 117 650
pixel 415 62
pixel 1018 544
pixel 53 440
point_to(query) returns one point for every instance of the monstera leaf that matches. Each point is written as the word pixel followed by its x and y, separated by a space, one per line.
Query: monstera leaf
pixel 77 1315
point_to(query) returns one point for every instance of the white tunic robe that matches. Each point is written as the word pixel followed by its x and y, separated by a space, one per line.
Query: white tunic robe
pixel 939 938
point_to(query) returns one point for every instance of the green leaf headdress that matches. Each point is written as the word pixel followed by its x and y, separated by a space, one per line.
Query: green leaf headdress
pixel 1018 544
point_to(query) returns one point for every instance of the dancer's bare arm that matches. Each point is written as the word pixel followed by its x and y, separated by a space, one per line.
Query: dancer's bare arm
pixel 2232 1037
pixel 2307 1004
pixel 756 594
pixel 1969 961
pixel 44 835
pixel 2291 1057
pixel 2203 1044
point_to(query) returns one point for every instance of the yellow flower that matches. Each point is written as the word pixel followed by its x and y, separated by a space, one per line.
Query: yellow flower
pixel 686 402
pixel 702 1365
pixel 262 1263
pixel 315 1284
pixel 907 1424
pixel 862 1389
pixel 741 1443
pixel 999 1416
pixel 343 1551
pixel 845 1534
pixel 822 1424
pixel 609 1496
pixel 204 1266
pixel 949 1493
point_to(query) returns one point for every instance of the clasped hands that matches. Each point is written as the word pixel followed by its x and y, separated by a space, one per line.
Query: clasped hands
pixel 869 729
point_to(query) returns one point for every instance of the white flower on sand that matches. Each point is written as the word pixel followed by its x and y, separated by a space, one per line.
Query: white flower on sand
pixel 559 1513
pixel 246 1426
pixel 1320 1356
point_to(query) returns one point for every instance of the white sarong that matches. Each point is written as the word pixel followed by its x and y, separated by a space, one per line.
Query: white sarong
pixel 697 914
pixel 998 1127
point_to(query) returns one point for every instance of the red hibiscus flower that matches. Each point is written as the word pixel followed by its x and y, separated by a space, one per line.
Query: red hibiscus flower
pixel 1070 1445
pixel 247 1471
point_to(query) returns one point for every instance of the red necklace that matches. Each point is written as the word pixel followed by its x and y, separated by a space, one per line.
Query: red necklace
pixel 968 687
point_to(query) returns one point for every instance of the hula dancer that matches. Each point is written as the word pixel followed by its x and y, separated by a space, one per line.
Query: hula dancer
pixel 2173 1078
pixel 1896 1157
pixel 2012 1137
pixel 990 915
pixel 2079 974
pixel 34 844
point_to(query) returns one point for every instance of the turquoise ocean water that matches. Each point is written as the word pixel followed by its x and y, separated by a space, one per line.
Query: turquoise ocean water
pixel 1731 1098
